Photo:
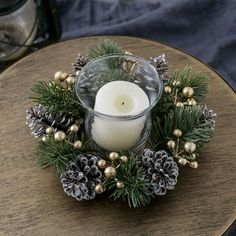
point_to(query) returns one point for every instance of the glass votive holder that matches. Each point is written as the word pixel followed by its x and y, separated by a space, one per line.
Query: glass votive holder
pixel 118 92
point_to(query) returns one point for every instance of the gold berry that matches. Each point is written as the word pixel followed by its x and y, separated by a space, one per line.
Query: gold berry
pixel 60 76
pixel 182 161
pixel 113 156
pixel 167 89
pixel 102 164
pixel 192 102
pixel 176 83
pixel 44 139
pixel 179 104
pixel 74 128
pixel 188 92
pixel 193 164
pixel 177 133
pixel 110 172
pixel 124 159
pixel 50 130
pixel 120 184
pixel 189 147
pixel 171 144
pixel 77 144
pixel 59 136
pixel 70 80
pixel 99 188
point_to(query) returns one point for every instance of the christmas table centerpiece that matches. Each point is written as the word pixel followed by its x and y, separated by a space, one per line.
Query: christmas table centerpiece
pixel 120 124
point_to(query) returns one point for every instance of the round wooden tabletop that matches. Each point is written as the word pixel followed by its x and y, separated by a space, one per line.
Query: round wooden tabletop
pixel 33 201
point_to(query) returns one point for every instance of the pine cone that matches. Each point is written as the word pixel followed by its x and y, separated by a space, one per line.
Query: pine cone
pixel 208 116
pixel 39 119
pixel 161 170
pixel 80 63
pixel 161 65
pixel 81 177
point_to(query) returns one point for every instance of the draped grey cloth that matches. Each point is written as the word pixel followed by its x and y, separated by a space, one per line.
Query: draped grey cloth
pixel 204 28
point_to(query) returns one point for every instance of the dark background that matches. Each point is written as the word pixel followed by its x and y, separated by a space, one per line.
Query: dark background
pixel 204 28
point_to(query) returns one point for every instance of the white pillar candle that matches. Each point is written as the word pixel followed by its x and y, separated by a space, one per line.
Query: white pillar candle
pixel 119 98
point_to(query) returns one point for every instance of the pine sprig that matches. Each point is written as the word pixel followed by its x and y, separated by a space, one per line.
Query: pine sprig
pixel 57 99
pixel 58 154
pixel 137 191
pixel 188 78
pixel 103 47
pixel 178 81
pixel 189 120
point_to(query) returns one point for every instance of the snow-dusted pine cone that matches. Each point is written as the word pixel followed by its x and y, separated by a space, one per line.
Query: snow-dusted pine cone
pixel 80 63
pixel 209 117
pixel 161 65
pixel 81 177
pixel 161 170
pixel 39 119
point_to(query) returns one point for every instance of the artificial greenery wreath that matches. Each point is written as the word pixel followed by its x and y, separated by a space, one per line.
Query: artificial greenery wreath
pixel 181 127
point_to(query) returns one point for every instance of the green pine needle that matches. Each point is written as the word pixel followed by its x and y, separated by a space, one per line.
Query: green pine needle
pixel 103 47
pixel 58 154
pixel 186 78
pixel 57 99
pixel 195 80
pixel 189 120
pixel 137 191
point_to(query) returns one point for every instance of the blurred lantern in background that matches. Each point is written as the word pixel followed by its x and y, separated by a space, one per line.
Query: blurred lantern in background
pixel 27 24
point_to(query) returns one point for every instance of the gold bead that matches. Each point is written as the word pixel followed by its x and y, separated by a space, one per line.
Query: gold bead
pixel 59 136
pixel 182 161
pixel 77 144
pixel 124 159
pixel 99 188
pixel 74 128
pixel 171 144
pixel 110 172
pixel 192 102
pixel 188 92
pixel 44 139
pixel 120 184
pixel 177 133
pixel 193 164
pixel 113 156
pixel 60 76
pixel 167 89
pixel 64 76
pixel 189 147
pixel 179 104
pixel 50 130
pixel 70 80
pixel 176 83
pixel 102 164
pixel 128 53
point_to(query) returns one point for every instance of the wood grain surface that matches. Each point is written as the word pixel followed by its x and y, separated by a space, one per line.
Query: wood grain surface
pixel 33 201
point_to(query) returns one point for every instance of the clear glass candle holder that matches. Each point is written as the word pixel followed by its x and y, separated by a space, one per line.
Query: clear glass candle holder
pixel 118 92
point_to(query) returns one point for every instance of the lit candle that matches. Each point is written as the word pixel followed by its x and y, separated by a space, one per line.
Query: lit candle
pixel 119 98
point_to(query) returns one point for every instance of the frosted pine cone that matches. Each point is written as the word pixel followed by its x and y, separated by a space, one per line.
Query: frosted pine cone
pixel 160 64
pixel 161 170
pixel 39 119
pixel 209 117
pixel 81 177
pixel 79 63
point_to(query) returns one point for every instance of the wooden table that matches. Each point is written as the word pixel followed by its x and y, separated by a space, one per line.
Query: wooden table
pixel 33 201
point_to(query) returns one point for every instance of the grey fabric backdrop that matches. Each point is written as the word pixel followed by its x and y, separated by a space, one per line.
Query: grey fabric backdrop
pixel 204 28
